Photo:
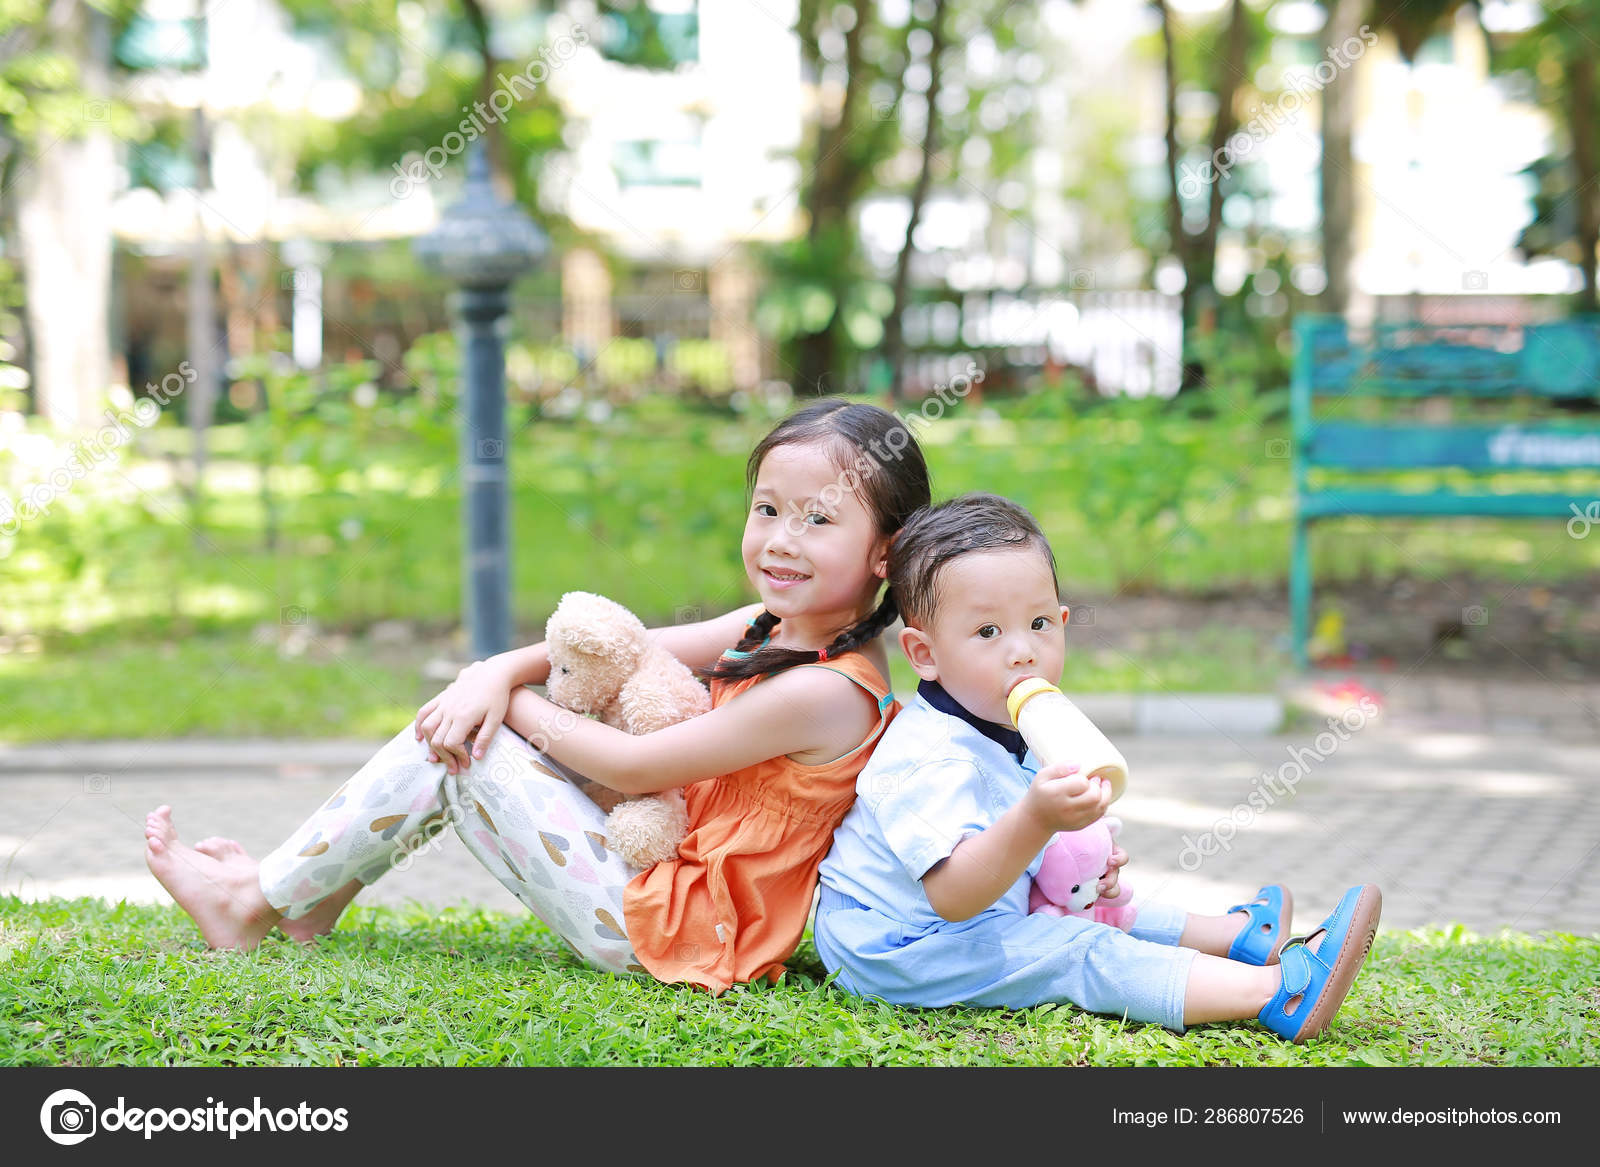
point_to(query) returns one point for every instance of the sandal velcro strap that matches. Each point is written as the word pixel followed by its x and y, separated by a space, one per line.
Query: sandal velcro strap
pixel 1296 961
pixel 1314 982
pixel 1257 941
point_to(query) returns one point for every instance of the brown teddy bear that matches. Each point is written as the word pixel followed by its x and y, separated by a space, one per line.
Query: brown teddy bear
pixel 602 661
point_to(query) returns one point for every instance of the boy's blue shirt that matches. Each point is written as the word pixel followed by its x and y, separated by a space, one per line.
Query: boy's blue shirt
pixel 938 775
pixel 939 697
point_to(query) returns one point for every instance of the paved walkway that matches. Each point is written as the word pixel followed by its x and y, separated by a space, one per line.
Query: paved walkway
pixel 1491 830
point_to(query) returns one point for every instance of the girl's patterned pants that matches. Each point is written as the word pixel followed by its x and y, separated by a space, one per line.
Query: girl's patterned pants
pixel 532 828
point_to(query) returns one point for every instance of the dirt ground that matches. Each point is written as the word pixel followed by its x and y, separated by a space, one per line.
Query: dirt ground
pixel 1460 625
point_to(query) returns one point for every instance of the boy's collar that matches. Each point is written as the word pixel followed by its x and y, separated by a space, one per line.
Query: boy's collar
pixel 936 695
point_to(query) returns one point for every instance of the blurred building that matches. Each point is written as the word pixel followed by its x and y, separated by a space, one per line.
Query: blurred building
pixel 675 167
pixel 672 168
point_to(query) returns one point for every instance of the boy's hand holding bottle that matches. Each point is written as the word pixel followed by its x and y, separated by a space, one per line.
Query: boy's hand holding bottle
pixel 1060 799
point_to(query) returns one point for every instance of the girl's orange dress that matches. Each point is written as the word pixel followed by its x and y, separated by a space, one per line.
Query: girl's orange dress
pixel 733 906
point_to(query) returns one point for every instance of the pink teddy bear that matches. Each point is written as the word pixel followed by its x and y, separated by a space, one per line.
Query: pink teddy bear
pixel 1068 883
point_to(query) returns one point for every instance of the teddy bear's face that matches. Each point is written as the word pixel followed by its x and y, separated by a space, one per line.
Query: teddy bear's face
pixel 582 681
pixel 1074 863
pixel 1071 885
pixel 595 645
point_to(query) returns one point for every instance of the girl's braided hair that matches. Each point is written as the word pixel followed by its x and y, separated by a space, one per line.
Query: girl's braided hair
pixel 876 452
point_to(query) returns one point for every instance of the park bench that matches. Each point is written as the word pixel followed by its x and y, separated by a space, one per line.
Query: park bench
pixel 1501 375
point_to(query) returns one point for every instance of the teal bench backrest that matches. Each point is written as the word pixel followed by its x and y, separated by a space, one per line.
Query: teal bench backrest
pixel 1459 361
pixel 1553 360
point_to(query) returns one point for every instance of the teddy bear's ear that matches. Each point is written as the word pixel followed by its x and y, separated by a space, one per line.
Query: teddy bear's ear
pixel 593 624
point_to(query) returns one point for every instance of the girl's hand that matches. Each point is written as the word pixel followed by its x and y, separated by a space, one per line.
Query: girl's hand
pixel 1111 885
pixel 1060 800
pixel 476 700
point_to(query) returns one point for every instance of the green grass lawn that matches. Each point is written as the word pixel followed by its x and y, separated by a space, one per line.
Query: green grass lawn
pixel 226 685
pixel 118 619
pixel 91 984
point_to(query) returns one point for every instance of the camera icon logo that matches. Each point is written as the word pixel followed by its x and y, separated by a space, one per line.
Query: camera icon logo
pixel 1082 614
pixel 1477 614
pixel 687 280
pixel 68 1117
pixel 491 449
pixel 687 614
pixel 97 783
pixel 686 953
pixel 1474 281
pixel 293 615
pixel 97 111
pixel 1081 279
pixel 1277 447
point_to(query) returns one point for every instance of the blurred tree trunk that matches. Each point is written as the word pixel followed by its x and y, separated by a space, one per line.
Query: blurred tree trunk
pixel 494 145
pixel 1198 253
pixel 1182 246
pixel 1231 68
pixel 202 327
pixel 832 194
pixel 64 227
pixel 1338 161
pixel 1580 107
pixel 894 327
pixel 1180 237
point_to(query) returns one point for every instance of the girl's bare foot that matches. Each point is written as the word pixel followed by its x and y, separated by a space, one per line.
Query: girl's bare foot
pixel 223 850
pixel 317 922
pixel 223 897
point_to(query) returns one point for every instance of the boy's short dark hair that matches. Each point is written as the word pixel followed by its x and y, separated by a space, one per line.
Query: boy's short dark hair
pixel 937 534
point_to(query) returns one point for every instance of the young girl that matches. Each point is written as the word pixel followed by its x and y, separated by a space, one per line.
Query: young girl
pixel 797 705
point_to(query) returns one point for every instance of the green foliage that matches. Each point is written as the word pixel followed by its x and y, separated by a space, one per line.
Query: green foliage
pixel 328 420
pixel 13 378
pixel 92 984
pixel 419 80
pixel 641 499
pixel 702 363
pixel 41 94
pixel 304 683
pixel 626 360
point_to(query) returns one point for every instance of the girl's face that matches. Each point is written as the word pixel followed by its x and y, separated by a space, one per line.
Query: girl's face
pixel 811 547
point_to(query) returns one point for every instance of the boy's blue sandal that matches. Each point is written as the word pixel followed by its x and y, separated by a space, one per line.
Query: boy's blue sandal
pixel 1315 982
pixel 1260 940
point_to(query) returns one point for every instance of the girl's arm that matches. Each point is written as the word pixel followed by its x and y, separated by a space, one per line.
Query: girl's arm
pixel 798 710
pixel 477 700
pixel 697 645
pixel 983 866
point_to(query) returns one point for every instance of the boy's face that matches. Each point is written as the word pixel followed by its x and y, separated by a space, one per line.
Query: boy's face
pixel 998 619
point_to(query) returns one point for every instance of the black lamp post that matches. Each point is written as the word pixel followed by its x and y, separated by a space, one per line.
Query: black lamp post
pixel 482 244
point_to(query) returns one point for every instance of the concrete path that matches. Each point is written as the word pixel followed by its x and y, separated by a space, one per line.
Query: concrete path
pixel 1491 830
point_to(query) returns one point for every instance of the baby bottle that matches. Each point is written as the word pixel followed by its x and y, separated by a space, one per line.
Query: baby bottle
pixel 1057 731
